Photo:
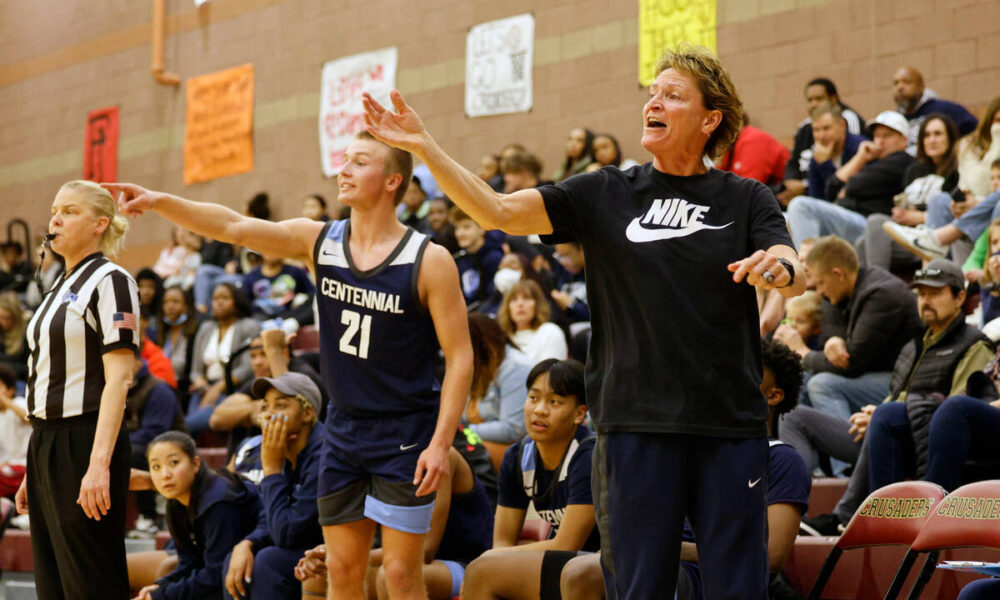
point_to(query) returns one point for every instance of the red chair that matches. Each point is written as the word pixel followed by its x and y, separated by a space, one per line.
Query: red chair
pixel 969 517
pixel 890 516
pixel 306 340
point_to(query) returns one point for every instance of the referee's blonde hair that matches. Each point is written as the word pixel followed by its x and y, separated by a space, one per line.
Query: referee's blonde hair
pixel 717 90
pixel 103 205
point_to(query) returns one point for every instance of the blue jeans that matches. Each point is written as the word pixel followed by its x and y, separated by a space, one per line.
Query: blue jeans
pixel 205 280
pixel 981 589
pixel 962 428
pixel 812 218
pixel 842 396
pixel 890 442
pixel 197 417
pixel 972 224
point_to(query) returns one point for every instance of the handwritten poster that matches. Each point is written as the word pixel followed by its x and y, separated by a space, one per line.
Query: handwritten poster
pixel 663 24
pixel 498 57
pixel 341 114
pixel 100 152
pixel 218 139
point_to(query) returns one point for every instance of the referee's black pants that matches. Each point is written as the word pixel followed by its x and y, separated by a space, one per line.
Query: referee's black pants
pixel 75 557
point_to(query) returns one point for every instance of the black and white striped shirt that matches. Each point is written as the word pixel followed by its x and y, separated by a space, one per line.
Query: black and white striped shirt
pixel 93 310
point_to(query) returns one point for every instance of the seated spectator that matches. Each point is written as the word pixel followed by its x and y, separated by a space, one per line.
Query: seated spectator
pixel 412 211
pixel 939 361
pixel 171 257
pixel 933 173
pixel 833 147
pixel 176 326
pixel 579 154
pixel 496 401
pixel 477 261
pixel 263 563
pixel 441 231
pixel 208 512
pixel 897 434
pixel 489 171
pixel 14 433
pixel 788 486
pixel 158 363
pixel 461 530
pixel 571 292
pixel 978 150
pixel 314 207
pixel 916 102
pixel 280 291
pixel 804 316
pixel 818 91
pixel 50 270
pixel 13 345
pixel 756 155
pixel 229 329
pixel 150 292
pixel 521 170
pixel 549 469
pixel 150 409
pixel 16 266
pixel 862 186
pixel 185 276
pixel 868 317
pixel 524 316
pixel 949 219
pixel 270 356
pixel 607 152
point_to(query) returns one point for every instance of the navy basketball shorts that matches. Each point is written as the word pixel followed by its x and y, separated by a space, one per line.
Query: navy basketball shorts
pixel 367 468
pixel 644 484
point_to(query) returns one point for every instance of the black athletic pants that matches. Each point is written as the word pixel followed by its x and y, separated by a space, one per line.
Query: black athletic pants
pixel 75 557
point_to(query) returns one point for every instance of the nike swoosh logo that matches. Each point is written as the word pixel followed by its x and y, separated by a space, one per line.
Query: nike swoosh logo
pixel 750 484
pixel 639 234
pixel 403 448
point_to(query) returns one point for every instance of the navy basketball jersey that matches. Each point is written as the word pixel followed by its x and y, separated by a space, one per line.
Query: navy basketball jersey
pixel 378 347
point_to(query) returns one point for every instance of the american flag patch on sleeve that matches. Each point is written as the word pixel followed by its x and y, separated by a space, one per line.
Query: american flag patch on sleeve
pixel 124 321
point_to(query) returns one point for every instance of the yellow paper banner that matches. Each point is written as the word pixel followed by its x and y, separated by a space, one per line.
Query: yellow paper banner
pixel 218 139
pixel 664 24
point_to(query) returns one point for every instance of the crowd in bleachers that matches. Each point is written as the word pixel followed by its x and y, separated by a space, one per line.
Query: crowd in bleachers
pixel 886 369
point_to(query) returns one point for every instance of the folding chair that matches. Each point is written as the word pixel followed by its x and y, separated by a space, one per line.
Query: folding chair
pixel 890 516
pixel 969 517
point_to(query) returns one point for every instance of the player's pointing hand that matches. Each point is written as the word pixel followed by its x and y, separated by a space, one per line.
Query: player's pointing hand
pixel 133 200
pixel 402 128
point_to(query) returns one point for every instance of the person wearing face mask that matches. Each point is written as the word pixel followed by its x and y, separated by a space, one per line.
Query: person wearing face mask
pixel 176 325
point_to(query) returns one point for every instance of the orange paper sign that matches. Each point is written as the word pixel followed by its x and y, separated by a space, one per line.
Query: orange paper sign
pixel 218 140
pixel 100 150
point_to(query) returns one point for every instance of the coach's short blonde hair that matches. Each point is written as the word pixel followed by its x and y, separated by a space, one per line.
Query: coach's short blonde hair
pixel 717 90
pixel 103 205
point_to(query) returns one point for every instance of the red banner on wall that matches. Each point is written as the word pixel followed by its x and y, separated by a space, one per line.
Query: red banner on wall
pixel 100 152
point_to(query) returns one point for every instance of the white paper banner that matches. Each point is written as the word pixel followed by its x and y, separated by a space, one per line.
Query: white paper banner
pixel 341 115
pixel 498 58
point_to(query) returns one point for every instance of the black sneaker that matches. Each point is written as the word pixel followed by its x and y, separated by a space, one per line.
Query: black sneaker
pixel 822 525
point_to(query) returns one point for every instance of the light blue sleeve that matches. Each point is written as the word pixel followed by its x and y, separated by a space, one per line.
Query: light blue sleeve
pixel 509 428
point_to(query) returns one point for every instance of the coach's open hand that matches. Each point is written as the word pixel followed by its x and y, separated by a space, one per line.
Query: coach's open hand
pixel 431 466
pixel 753 267
pixel 402 129
pixel 133 200
pixel 95 492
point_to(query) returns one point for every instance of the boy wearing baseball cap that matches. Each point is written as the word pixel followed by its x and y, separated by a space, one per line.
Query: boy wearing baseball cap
pixel 290 446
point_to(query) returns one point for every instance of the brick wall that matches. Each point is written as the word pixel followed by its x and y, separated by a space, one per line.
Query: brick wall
pixel 58 62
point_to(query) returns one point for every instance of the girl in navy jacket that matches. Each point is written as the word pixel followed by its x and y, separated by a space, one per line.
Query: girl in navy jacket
pixel 208 512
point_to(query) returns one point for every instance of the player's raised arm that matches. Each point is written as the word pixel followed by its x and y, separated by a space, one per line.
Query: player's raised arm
pixel 520 213
pixel 292 239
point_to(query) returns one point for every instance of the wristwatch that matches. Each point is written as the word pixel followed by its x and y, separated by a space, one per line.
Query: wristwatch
pixel 791 271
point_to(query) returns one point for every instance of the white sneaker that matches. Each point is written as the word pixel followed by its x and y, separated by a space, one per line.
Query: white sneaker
pixel 145 528
pixel 918 240
pixel 20 522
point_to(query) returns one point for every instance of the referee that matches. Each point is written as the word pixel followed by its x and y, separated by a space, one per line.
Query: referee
pixel 82 340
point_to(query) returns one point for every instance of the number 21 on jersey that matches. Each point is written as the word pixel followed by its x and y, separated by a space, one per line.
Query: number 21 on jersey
pixel 355 322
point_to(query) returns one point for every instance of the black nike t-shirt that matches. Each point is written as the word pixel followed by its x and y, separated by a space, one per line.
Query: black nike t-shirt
pixel 675 346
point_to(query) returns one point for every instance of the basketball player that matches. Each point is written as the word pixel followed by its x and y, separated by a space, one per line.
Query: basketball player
pixel 387 299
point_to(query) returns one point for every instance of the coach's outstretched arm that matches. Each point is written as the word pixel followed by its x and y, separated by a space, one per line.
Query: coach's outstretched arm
pixel 286 239
pixel 520 213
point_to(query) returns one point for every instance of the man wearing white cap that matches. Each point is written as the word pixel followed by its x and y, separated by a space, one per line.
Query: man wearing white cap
pixel 866 184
